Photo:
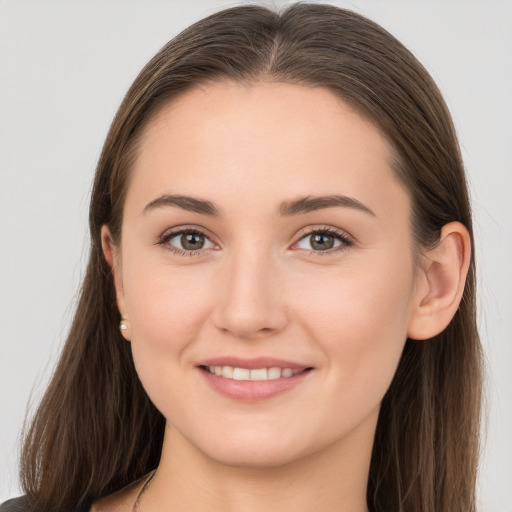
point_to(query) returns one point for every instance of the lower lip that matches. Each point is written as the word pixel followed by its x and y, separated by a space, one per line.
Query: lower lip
pixel 252 390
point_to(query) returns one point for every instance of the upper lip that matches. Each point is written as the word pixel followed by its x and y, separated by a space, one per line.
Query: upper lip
pixel 253 363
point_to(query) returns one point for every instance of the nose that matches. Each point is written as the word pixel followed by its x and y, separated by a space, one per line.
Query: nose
pixel 252 296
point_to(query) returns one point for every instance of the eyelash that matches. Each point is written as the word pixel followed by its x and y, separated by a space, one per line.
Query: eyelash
pixel 165 237
pixel 345 240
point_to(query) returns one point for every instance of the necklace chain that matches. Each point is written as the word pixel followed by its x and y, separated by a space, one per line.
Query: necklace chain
pixel 135 507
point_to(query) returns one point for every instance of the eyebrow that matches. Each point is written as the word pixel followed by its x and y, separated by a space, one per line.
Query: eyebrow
pixel 286 208
pixel 310 203
pixel 188 203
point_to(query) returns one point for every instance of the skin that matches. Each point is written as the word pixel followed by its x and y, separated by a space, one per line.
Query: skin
pixel 259 287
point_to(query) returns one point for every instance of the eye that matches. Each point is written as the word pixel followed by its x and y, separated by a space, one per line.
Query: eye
pixel 186 241
pixel 326 240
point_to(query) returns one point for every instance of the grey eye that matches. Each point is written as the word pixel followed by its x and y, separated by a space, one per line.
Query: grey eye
pixel 319 241
pixel 322 241
pixel 190 241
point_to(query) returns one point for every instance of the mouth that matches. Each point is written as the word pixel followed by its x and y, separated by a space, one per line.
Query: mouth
pixel 240 373
pixel 253 380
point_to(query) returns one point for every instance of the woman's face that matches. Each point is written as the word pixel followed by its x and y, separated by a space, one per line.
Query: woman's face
pixel 264 230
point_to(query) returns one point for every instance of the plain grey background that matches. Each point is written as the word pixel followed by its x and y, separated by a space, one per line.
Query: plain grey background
pixel 64 68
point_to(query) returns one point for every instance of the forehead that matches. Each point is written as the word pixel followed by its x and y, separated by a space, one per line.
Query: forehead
pixel 261 141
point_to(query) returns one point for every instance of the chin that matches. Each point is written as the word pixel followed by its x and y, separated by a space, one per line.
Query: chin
pixel 257 447
pixel 252 457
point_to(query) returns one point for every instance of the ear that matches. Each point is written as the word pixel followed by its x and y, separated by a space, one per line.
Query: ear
pixel 112 257
pixel 441 283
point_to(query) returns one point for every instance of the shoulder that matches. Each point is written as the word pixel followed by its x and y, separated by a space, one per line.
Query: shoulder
pixel 23 504
pixel 20 504
pixel 121 501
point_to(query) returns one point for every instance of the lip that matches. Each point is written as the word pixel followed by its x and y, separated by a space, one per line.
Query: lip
pixel 252 390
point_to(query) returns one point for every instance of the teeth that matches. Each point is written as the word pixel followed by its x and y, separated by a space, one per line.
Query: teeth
pixel 274 373
pixel 230 372
pixel 241 374
pixel 259 374
pixel 227 371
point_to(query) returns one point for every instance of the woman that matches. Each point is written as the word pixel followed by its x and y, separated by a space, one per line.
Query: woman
pixel 279 306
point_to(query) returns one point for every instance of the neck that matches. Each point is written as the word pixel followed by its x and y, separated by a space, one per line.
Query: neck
pixel 331 479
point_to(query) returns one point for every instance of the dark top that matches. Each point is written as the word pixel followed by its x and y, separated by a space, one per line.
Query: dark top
pixel 22 504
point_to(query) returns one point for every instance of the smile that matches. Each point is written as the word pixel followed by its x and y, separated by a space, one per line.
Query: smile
pixel 253 379
pixel 236 373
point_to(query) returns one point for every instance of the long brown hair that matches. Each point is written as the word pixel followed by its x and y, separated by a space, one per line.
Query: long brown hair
pixel 96 430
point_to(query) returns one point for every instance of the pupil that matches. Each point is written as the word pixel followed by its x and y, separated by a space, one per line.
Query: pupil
pixel 322 242
pixel 192 241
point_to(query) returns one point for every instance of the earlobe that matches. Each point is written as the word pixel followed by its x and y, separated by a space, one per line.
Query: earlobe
pixel 442 283
pixel 112 257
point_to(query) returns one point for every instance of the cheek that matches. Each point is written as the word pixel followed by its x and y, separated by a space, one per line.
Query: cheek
pixel 359 317
pixel 166 305
pixel 167 308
